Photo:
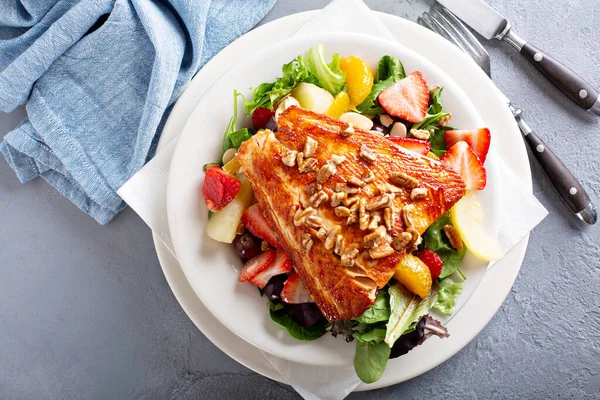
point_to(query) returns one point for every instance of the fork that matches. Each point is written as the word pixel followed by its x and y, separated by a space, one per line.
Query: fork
pixel 447 25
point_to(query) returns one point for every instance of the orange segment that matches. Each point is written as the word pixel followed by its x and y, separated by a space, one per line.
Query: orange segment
pixel 359 78
pixel 340 105
pixel 414 275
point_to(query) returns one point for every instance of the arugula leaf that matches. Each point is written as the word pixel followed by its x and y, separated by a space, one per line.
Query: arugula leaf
pixel 370 360
pixel 373 336
pixel 407 309
pixel 280 317
pixel 389 66
pixel 379 311
pixel 330 76
pixel 434 239
pixel 448 293
pixel 389 71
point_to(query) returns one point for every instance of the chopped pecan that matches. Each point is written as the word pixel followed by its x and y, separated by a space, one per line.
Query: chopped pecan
pixel 368 176
pixel 336 159
pixel 407 215
pixel 313 188
pixel 403 180
pixel 453 237
pixel 367 153
pixel 401 241
pixel 383 250
pixel 374 238
pixel 418 193
pixel 363 215
pixel 348 201
pixel 375 220
pixel 302 215
pixel 314 221
pixel 444 120
pixel 342 187
pixel 349 256
pixel 307 241
pixel 352 219
pixel 332 236
pixel 322 234
pixel 310 146
pixel 347 130
pixel 318 198
pixel 420 134
pixel 378 202
pixel 339 245
pixel 264 246
pixel 325 172
pixel 341 211
pixel 308 165
pixel 338 198
pixel 389 216
pixel 299 158
pixel 290 158
pixel 356 181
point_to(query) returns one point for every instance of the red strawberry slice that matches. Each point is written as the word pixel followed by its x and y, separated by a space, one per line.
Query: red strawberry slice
pixel 294 291
pixel 254 220
pixel 261 116
pixel 477 139
pixel 465 162
pixel 257 264
pixel 432 260
pixel 281 264
pixel 219 188
pixel 417 145
pixel 407 99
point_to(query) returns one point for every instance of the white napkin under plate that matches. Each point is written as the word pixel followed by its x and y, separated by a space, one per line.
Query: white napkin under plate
pixel 146 193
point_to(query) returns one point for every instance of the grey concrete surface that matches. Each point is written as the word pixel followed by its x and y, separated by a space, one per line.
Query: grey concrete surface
pixel 85 312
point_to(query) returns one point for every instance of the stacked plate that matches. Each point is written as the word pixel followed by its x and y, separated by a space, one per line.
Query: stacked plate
pixel 204 280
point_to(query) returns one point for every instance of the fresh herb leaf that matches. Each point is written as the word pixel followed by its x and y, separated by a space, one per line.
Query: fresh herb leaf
pixel 389 66
pixel 407 309
pixel 434 239
pixel 330 76
pixel 373 336
pixel 280 317
pixel 379 311
pixel 370 360
pixel 448 293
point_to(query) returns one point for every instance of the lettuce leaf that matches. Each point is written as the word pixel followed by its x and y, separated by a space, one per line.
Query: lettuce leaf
pixel 435 240
pixel 406 310
pixel 379 311
pixel 330 76
pixel 370 360
pixel 448 293
pixel 372 336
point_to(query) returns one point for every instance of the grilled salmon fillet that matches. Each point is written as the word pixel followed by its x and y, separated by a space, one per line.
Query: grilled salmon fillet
pixel 346 204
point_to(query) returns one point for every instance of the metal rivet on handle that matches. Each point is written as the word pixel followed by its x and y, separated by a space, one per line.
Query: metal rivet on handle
pixel 538 57
pixel 540 148
pixel 583 93
pixel 573 191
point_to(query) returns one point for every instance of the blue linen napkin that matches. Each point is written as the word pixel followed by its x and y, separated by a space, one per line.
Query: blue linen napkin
pixel 99 77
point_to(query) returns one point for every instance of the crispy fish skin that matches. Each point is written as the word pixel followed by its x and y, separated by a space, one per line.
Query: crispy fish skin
pixel 341 292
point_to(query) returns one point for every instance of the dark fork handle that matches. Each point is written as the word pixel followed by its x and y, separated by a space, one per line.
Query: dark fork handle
pixel 571 84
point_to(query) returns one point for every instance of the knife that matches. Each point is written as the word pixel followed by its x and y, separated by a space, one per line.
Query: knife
pixel 491 25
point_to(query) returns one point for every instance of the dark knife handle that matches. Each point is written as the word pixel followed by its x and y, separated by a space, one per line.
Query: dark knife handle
pixel 571 84
pixel 563 180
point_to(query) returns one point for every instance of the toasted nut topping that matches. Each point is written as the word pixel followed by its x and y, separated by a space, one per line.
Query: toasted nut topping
pixel 382 201
pixel 299 158
pixel 363 215
pixel 302 215
pixel 318 198
pixel 418 193
pixel 368 176
pixel 264 246
pixel 325 172
pixel 352 219
pixel 389 216
pixel 433 156
pixel 375 220
pixel 349 256
pixel 341 211
pixel 453 237
pixel 420 134
pixel 313 188
pixel 342 187
pixel 332 236
pixel 407 215
pixel 348 129
pixel 401 241
pixel 308 165
pixel 386 120
pixel 356 181
pixel 322 233
pixel 307 242
pixel 350 201
pixel 415 240
pixel 240 229
pixel 314 221
pixel 388 188
pixel 398 130
pixel 401 179
pixel 381 251
pixel 337 159
pixel 367 153
pixel 444 120
pixel 374 238
pixel 354 207
pixel 310 146
pixel 337 198
pixel 339 245
pixel 290 158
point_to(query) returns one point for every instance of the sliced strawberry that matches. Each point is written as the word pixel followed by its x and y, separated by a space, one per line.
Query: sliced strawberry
pixel 465 162
pixel 261 116
pixel 254 220
pixel 257 264
pixel 219 188
pixel 417 145
pixel 294 291
pixel 432 260
pixel 281 264
pixel 407 99
pixel 477 139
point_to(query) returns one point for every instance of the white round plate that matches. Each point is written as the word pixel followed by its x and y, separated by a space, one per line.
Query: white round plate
pixel 208 264
pixel 494 286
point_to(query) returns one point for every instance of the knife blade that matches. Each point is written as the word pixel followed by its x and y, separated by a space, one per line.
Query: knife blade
pixel 492 25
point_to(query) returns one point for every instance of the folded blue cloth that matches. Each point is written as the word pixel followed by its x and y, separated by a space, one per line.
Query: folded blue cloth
pixel 99 77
